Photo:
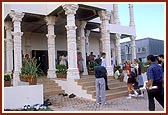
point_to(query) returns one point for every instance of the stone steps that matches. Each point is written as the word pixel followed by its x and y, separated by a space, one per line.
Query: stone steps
pixel 50 87
pixel 117 89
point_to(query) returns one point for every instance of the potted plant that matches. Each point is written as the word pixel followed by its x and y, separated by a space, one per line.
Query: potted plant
pixel 7 80
pixel 91 68
pixel 61 71
pixel 30 71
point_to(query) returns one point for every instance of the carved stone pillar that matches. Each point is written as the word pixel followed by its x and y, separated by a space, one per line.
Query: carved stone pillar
pixel 133 48
pixel 51 46
pixel 115 11
pixel 105 33
pixel 83 45
pixel 70 11
pixel 9 47
pixel 87 42
pixel 131 12
pixel 118 36
pixel 16 19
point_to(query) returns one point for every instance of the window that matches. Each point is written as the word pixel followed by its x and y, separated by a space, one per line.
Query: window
pixel 141 50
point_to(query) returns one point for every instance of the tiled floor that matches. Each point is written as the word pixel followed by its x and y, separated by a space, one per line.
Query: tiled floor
pixel 64 103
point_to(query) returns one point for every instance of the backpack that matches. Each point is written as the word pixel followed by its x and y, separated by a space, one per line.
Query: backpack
pixel 133 74
pixel 139 70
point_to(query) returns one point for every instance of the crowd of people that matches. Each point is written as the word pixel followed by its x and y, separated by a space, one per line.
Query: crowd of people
pixel 135 82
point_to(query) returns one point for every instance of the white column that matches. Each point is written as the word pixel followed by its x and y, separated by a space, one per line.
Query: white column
pixel 70 11
pixel 51 46
pixel 16 19
pixel 105 32
pixel 83 45
pixel 133 48
pixel 115 13
pixel 9 47
pixel 132 23
pixel 101 41
pixel 87 41
pixel 118 36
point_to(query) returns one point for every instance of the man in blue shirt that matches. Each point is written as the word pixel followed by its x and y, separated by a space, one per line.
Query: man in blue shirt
pixel 154 76
pixel 103 56
pixel 100 73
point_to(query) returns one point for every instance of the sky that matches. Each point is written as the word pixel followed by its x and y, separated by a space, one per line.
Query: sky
pixel 150 18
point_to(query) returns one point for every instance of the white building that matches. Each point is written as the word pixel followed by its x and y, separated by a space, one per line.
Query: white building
pixel 47 30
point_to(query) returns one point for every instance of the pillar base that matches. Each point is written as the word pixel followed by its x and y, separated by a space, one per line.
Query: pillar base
pixel 110 72
pixel 85 71
pixel 73 73
pixel 16 79
pixel 51 74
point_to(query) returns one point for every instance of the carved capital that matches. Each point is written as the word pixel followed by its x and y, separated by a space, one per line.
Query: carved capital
pixel 118 36
pixel 50 20
pixel 16 16
pixel 83 24
pixel 70 8
pixel 132 38
pixel 87 33
pixel 104 15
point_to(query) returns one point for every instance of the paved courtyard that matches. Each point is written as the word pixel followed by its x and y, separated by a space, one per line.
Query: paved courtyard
pixel 64 103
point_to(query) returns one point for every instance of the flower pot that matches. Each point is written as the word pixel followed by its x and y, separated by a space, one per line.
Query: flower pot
pixel 23 79
pixel 7 83
pixel 32 80
pixel 61 76
pixel 91 73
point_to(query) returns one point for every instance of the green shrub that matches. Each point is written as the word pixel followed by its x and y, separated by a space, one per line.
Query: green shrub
pixel 7 77
pixel 61 69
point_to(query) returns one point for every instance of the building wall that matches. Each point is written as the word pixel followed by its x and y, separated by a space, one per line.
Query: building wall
pixel 156 46
pixel 39 42
pixel 144 47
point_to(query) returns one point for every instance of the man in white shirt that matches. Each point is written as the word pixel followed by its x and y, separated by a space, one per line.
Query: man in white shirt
pixel 103 55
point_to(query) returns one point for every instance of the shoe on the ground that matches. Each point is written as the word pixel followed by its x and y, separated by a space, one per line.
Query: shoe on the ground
pixel 65 94
pixel 72 95
pixel 98 103
pixel 135 94
pixel 107 89
pixel 129 97
pixel 141 95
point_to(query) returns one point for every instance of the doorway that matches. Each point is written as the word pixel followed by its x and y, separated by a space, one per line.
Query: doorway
pixel 42 59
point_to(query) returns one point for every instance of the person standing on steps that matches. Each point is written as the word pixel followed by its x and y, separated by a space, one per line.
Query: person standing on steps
pixel 103 56
pixel 100 73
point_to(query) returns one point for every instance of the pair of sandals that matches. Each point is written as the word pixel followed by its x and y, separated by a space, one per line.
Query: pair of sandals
pixel 63 94
pixel 70 96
